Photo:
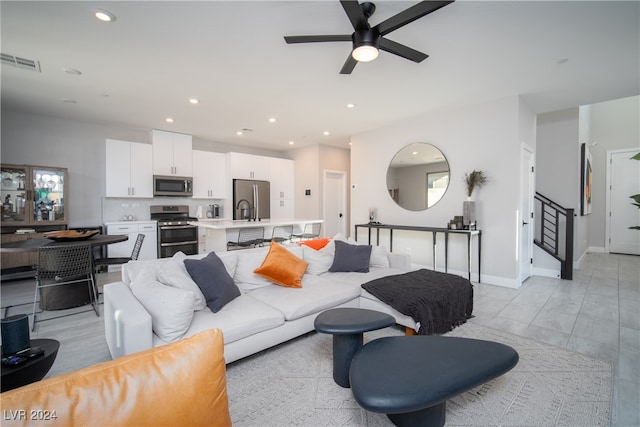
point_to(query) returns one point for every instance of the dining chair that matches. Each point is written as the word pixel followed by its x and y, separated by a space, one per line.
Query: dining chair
pixel 311 231
pixel 63 265
pixel 281 233
pixel 106 262
pixel 247 238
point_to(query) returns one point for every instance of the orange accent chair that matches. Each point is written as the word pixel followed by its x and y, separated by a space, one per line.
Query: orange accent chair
pixel 179 384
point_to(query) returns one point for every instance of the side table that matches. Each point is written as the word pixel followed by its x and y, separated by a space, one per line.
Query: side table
pixel 33 369
pixel 347 326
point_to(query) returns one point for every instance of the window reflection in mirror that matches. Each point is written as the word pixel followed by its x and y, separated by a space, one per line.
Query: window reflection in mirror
pixel 418 176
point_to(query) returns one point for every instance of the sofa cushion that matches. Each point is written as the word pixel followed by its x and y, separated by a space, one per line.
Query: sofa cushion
pixel 213 280
pixel 319 260
pixel 171 309
pixel 360 278
pixel 317 294
pixel 242 317
pixel 282 267
pixel 174 273
pixel 316 244
pixel 248 261
pixel 351 257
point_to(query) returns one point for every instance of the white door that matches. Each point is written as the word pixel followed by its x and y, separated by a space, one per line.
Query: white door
pixel 335 203
pixel 624 181
pixel 526 208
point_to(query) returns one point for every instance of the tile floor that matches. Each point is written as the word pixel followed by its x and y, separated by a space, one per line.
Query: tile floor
pixel 597 313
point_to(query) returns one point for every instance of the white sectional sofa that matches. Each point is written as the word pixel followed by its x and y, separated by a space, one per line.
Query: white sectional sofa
pixel 265 314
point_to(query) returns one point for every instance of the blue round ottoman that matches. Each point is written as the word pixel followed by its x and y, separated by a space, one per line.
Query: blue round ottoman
pixel 411 378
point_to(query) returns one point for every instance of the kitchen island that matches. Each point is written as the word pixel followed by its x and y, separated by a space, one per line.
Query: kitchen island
pixel 220 231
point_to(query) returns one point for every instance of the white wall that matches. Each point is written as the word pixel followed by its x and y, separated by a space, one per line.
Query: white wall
pixel 485 137
pixel 615 125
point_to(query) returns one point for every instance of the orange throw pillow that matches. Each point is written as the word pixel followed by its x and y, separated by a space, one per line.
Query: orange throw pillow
pixel 282 267
pixel 316 244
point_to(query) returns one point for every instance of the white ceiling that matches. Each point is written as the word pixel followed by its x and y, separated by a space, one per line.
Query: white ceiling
pixel 231 55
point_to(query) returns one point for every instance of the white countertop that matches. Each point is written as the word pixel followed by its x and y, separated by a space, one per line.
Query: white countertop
pixel 138 221
pixel 217 224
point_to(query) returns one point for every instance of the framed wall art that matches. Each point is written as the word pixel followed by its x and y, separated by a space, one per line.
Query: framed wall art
pixel 586 179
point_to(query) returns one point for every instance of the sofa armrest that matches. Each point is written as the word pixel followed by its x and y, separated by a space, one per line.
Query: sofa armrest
pixel 400 261
pixel 127 325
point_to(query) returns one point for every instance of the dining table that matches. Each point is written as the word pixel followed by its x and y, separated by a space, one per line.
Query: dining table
pixel 59 298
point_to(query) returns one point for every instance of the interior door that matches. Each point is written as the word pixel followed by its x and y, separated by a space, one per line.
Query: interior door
pixel 334 203
pixel 526 209
pixel 624 181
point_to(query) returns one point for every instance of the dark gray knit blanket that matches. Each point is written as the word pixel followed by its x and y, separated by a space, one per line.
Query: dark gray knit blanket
pixel 438 301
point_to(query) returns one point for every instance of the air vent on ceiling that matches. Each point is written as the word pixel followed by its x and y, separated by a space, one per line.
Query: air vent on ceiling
pixel 16 61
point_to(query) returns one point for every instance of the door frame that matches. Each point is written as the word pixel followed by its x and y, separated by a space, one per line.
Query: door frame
pixel 526 195
pixel 344 226
pixel 607 225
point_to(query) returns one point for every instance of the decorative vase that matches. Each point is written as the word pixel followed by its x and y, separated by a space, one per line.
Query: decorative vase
pixel 468 212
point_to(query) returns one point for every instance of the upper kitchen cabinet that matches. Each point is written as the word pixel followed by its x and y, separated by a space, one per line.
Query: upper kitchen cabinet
pixel 247 166
pixel 33 195
pixel 129 171
pixel 209 175
pixel 172 153
pixel 282 176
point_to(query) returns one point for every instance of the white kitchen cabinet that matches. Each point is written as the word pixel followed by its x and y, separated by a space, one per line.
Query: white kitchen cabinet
pixel 172 153
pixel 209 175
pixel 248 166
pixel 281 176
pixel 131 229
pixel 129 169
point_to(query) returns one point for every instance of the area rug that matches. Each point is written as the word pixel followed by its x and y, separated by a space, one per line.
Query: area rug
pixel 292 385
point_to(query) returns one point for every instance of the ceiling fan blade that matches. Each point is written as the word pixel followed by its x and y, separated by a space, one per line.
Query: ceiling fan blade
pixel 349 65
pixel 409 15
pixel 355 14
pixel 402 50
pixel 322 38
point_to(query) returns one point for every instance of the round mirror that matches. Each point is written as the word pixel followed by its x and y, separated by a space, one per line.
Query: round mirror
pixel 418 176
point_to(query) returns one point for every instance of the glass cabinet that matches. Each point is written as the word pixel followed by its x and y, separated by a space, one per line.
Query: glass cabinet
pixel 33 195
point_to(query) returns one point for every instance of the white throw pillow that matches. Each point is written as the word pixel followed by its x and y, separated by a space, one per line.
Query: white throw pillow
pixel 174 273
pixel 319 260
pixel 171 309
pixel 245 277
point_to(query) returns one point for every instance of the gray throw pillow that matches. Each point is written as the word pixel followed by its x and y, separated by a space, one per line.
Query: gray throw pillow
pixel 214 281
pixel 351 257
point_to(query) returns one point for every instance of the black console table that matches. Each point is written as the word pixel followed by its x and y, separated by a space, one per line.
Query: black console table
pixel 434 231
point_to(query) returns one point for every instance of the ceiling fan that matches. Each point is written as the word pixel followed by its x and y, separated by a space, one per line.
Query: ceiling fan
pixel 368 40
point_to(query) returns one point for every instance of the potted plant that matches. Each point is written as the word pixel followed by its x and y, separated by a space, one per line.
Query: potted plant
pixel 473 180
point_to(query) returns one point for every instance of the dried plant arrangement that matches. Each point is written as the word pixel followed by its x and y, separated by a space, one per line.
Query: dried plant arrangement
pixel 473 180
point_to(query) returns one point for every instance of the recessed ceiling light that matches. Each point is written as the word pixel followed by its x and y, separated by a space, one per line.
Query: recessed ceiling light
pixel 325 133
pixel 104 15
pixel 169 120
pixel 291 142
pixel 272 120
pixel 351 105
pixel 72 71
pixel 194 101
pixel 239 133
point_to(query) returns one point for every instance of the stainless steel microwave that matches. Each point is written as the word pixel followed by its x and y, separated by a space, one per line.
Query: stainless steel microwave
pixel 172 186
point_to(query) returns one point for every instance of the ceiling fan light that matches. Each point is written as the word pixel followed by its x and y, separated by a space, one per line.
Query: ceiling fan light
pixel 365 53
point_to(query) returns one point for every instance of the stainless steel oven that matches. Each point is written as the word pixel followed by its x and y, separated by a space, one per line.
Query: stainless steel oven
pixel 175 234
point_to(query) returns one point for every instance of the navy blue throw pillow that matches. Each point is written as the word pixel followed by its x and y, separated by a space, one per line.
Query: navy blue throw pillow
pixel 351 257
pixel 213 280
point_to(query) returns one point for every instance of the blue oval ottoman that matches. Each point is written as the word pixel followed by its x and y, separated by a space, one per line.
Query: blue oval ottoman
pixel 411 378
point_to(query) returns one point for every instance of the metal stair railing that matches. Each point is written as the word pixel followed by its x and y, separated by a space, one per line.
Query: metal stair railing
pixel 554 232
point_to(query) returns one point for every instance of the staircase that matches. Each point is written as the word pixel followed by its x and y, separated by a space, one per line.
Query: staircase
pixel 554 232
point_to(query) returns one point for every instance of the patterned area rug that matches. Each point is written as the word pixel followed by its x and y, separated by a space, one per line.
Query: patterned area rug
pixel 292 385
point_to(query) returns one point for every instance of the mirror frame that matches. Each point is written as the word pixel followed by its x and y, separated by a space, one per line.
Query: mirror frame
pixel 430 160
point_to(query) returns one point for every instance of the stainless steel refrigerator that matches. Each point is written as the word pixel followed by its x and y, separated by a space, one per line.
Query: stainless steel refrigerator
pixel 251 199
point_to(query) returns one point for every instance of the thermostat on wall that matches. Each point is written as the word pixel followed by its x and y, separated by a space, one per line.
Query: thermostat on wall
pixel 307 192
